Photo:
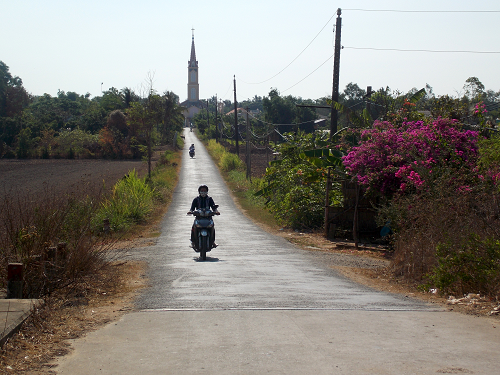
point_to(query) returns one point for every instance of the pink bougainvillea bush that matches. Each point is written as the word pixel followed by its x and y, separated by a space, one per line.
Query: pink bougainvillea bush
pixel 406 158
pixel 441 192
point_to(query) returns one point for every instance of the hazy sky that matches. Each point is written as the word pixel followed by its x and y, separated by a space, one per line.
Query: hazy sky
pixel 75 45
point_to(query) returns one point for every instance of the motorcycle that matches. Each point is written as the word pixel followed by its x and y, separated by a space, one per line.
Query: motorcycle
pixel 191 153
pixel 203 231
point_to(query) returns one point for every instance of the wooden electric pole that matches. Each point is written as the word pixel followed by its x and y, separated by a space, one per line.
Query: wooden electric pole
pixel 236 119
pixel 208 117
pixel 248 151
pixel 216 120
pixel 336 70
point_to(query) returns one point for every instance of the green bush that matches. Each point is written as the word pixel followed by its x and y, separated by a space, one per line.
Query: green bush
pixel 295 188
pixel 215 149
pixel 473 267
pixel 229 162
pixel 131 202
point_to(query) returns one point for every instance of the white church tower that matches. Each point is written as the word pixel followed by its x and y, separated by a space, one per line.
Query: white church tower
pixel 192 104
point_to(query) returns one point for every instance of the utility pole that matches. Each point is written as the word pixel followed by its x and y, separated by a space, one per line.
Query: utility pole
pixel 336 69
pixel 368 95
pixel 236 119
pixel 248 151
pixel 216 120
pixel 208 117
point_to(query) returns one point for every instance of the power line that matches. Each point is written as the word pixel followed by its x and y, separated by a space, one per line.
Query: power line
pixel 420 50
pixel 424 11
pixel 230 84
pixel 258 83
pixel 309 74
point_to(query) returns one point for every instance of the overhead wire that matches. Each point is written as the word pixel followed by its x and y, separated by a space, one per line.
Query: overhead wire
pixel 308 74
pixel 423 11
pixel 420 50
pixel 281 71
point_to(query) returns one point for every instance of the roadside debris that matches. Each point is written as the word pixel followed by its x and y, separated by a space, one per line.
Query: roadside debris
pixel 475 300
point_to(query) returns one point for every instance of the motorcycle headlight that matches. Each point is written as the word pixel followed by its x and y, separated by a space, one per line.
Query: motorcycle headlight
pixel 210 225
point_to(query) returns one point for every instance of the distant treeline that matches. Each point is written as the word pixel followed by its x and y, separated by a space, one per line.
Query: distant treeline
pixel 118 124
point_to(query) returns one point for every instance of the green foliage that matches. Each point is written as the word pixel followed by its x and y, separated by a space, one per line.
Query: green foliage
pixel 173 118
pixel 471 267
pixel 226 160
pixel 24 144
pixel 229 162
pixel 216 149
pixel 448 107
pixel 489 153
pixel 283 113
pixel 112 100
pixel 77 143
pixel 295 186
pixel 131 202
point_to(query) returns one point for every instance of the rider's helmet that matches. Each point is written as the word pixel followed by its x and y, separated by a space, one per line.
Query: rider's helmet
pixel 203 193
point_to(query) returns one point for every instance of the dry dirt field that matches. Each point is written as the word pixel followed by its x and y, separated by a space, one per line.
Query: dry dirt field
pixel 37 176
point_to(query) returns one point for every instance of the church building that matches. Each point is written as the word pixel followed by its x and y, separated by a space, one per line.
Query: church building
pixel 192 104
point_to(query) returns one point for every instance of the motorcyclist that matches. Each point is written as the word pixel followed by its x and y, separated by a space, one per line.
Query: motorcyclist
pixel 203 200
pixel 191 148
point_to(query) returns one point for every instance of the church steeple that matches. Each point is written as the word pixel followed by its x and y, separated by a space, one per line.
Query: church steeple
pixel 193 86
pixel 193 53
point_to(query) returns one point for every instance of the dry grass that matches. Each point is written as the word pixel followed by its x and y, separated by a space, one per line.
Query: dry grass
pixel 70 314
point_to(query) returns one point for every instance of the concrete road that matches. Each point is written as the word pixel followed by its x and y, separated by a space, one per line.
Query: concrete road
pixel 261 305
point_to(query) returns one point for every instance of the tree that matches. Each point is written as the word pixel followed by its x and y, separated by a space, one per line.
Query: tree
pixel 129 96
pixel 13 100
pixel 111 100
pixel 145 117
pixel 93 118
pixel 474 89
pixel 173 118
pixel 284 114
pixel 279 110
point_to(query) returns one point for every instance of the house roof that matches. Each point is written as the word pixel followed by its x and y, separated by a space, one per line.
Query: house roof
pixel 240 110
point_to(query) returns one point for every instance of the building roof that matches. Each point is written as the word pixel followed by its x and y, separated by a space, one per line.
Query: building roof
pixel 240 110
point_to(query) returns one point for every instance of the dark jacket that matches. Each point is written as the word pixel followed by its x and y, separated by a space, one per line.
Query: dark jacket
pixel 200 202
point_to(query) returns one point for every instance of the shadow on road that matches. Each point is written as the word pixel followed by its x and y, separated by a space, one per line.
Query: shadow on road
pixel 197 259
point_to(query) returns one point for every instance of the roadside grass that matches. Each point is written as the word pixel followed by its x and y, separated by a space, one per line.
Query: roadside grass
pixel 135 201
pixel 233 171
pixel 62 239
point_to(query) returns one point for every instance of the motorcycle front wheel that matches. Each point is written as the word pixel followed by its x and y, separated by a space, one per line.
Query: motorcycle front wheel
pixel 205 246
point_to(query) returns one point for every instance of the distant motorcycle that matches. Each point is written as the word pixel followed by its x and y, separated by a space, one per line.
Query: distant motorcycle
pixel 203 235
pixel 191 152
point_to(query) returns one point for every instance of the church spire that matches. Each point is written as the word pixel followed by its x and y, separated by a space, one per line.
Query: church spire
pixel 192 61
pixel 193 86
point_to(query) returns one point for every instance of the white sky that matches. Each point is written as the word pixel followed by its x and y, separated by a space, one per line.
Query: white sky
pixel 77 45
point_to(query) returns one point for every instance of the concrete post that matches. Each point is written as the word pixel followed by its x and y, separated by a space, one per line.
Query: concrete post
pixel 15 280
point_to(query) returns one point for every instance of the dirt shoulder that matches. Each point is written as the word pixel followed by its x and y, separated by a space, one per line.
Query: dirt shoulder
pixel 46 333
pixel 376 273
